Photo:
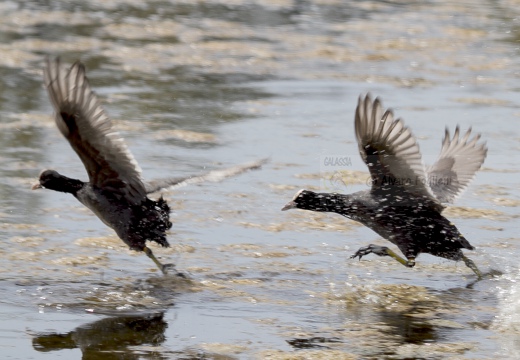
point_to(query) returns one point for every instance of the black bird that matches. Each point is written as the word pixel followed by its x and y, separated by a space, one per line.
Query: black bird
pixel 405 202
pixel 115 191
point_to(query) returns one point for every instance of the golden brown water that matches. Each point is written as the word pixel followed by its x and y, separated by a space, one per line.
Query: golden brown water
pixel 201 85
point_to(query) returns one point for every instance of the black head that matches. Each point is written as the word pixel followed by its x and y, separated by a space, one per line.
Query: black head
pixel 306 200
pixel 53 180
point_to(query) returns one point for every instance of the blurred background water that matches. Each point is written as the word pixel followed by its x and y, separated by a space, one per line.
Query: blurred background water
pixel 200 85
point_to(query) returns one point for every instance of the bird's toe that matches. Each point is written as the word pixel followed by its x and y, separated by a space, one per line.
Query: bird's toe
pixel 370 249
pixel 169 269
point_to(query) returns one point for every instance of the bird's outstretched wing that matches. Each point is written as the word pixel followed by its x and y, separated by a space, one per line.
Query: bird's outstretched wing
pixel 390 151
pixel 211 176
pixel 460 158
pixel 82 120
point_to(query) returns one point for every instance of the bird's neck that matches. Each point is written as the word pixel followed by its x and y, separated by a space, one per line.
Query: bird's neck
pixel 66 185
pixel 331 202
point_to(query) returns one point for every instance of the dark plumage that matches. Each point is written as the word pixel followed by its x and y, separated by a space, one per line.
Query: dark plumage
pixel 115 191
pixel 404 204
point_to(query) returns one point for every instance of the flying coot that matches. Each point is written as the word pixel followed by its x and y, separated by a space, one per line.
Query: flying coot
pixel 115 191
pixel 405 201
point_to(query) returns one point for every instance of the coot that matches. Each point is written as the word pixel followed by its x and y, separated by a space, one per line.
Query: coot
pixel 405 202
pixel 115 191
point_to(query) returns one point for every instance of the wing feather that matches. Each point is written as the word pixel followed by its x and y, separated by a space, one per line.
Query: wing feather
pixel 211 176
pixel 84 123
pixel 460 158
pixel 390 151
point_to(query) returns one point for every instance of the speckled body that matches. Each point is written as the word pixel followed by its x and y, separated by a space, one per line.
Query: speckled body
pixel 134 224
pixel 414 227
pixel 405 201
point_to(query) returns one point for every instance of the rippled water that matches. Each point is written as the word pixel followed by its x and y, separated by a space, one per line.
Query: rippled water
pixel 201 85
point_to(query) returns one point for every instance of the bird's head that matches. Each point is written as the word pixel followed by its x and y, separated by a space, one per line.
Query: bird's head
pixel 47 179
pixel 304 199
pixel 50 179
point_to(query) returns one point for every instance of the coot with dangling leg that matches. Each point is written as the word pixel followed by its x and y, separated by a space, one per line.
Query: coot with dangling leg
pixel 115 191
pixel 405 202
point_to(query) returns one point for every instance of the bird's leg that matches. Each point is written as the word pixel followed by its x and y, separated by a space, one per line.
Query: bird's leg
pixel 161 267
pixel 384 251
pixel 469 263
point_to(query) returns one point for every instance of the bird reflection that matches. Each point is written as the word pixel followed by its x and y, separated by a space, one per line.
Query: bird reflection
pixel 109 338
pixel 409 329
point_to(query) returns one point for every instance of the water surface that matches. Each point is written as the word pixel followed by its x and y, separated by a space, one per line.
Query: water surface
pixel 199 86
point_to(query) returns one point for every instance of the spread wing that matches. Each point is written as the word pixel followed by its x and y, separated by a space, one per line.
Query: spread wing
pixel 459 160
pixel 84 123
pixel 390 151
pixel 211 176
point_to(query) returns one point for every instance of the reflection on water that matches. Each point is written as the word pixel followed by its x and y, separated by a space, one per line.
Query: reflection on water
pixel 109 338
pixel 200 85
